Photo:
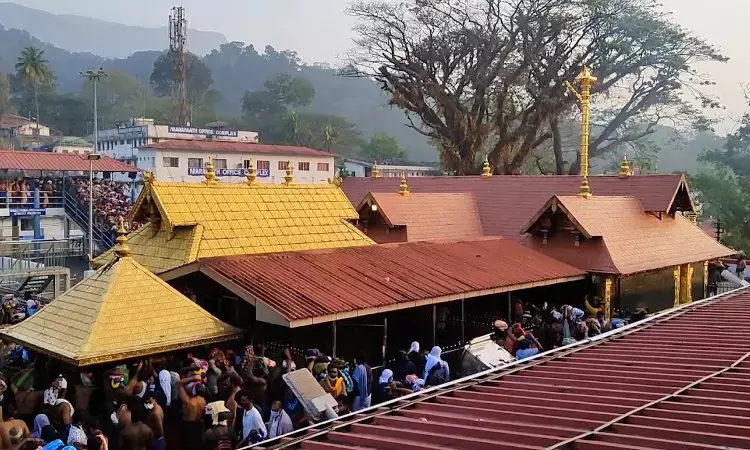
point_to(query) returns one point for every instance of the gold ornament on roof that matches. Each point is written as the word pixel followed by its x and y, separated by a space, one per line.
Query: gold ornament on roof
pixel 251 176
pixel 210 174
pixel 486 169
pixel 121 248
pixel 148 177
pixel 624 167
pixel 288 178
pixel 403 188
pixel 375 170
pixel 586 80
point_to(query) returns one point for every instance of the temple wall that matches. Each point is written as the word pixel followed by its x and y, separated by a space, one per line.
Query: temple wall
pixel 697 283
pixel 654 290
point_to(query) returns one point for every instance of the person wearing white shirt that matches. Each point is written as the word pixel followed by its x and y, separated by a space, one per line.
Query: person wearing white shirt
pixel 253 429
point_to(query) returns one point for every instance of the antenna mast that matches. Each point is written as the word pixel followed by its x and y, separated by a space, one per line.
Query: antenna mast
pixel 177 54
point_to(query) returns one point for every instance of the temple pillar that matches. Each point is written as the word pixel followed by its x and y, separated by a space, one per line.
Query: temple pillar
pixel 606 290
pixel 705 279
pixel 686 277
pixel 677 286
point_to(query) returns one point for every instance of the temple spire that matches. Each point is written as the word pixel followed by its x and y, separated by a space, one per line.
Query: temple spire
pixel 210 174
pixel 486 169
pixel 288 178
pixel 121 248
pixel 403 188
pixel 586 80
pixel 375 170
pixel 624 167
pixel 251 175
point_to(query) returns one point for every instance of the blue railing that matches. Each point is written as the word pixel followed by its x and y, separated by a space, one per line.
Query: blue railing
pixel 102 238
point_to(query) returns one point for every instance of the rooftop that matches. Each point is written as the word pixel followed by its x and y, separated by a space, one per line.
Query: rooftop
pixel 428 216
pixel 122 311
pixel 506 203
pixel 203 145
pixel 620 237
pixel 187 221
pixel 13 120
pixel 616 391
pixel 304 288
pixel 68 162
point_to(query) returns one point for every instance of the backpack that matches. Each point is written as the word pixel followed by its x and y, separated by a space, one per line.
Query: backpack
pixel 437 375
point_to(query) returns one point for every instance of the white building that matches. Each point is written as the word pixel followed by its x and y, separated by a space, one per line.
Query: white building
pixel 123 143
pixel 184 161
pixel 12 125
pixel 357 168
pixel 75 145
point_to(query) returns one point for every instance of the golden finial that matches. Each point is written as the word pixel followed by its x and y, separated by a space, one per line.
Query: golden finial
pixel 288 178
pixel 585 79
pixel 148 177
pixel 403 188
pixel 121 248
pixel 375 170
pixel 210 174
pixel 486 169
pixel 692 217
pixel 251 176
pixel 624 167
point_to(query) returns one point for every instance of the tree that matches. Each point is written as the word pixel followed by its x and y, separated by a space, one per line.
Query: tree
pixel 721 187
pixel 199 77
pixel 32 68
pixel 382 147
pixel 280 93
pixel 5 104
pixel 490 75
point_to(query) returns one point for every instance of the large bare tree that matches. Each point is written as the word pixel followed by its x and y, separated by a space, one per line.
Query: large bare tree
pixel 489 76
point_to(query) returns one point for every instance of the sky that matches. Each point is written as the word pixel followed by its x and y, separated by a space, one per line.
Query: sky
pixel 320 31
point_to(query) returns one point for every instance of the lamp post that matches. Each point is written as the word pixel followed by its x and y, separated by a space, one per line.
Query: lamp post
pixel 94 76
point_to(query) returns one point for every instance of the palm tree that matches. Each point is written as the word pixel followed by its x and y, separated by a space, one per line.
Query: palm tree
pixel 33 68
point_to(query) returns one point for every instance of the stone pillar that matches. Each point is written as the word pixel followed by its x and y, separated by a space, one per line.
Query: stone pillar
pixel 677 286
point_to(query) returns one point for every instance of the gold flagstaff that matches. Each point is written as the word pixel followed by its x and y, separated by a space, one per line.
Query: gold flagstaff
pixel 586 80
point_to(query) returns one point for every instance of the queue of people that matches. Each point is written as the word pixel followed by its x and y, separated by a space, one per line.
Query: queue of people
pixel 19 192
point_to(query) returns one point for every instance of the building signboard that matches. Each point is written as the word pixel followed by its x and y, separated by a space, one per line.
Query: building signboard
pixel 28 212
pixel 198 171
pixel 174 129
pixel 131 131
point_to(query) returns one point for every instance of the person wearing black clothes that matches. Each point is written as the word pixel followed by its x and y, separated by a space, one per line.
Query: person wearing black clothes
pixel 416 357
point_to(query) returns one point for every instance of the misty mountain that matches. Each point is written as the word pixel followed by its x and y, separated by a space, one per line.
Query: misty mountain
pixel 107 39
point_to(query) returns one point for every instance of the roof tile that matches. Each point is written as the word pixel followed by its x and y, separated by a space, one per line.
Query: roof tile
pixel 70 162
pixel 238 147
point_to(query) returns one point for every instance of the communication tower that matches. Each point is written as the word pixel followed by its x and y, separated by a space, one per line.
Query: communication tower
pixel 177 54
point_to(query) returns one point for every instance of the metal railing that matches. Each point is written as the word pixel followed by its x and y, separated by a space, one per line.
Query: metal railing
pixel 26 201
pixel 102 238
pixel 37 255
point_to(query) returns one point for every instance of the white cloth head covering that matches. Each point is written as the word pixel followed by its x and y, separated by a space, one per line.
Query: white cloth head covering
pixel 432 359
pixel 386 376
pixel 414 347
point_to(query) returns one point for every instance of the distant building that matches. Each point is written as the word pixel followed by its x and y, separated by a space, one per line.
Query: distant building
pixel 123 142
pixel 69 144
pixel 12 125
pixel 358 168
pixel 184 161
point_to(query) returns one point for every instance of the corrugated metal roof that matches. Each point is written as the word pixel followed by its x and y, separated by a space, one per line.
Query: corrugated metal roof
pixel 678 381
pixel 239 147
pixel 366 280
pixel 633 240
pixel 505 203
pixel 431 216
pixel 69 162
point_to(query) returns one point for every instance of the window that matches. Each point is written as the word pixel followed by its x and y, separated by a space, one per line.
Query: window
pixel 220 163
pixel 283 165
pixel 323 167
pixel 303 166
pixel 264 165
pixel 27 224
pixel 195 163
pixel 171 162
pixel 246 163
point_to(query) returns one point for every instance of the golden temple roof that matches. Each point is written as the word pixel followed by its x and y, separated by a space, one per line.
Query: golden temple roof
pixel 198 220
pixel 122 311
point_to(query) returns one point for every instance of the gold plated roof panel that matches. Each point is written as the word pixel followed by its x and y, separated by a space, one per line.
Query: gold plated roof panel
pixel 122 311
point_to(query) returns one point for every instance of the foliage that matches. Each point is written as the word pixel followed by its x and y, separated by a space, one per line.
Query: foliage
pixel 5 103
pixel 383 148
pixel 31 70
pixel 723 185
pixel 490 75
pixel 199 78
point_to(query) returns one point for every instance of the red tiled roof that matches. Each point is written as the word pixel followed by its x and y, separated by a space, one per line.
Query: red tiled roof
pixel 239 147
pixel 12 120
pixel 319 286
pixel 651 385
pixel 431 216
pixel 624 239
pixel 507 202
pixel 69 162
